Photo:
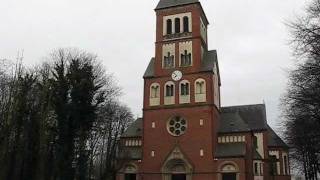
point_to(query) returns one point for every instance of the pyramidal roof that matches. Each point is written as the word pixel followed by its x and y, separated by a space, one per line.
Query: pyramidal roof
pixel 171 3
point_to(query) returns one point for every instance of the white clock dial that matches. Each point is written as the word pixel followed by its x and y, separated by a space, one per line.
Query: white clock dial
pixel 176 75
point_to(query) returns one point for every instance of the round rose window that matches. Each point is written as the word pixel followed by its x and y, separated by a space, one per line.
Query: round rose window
pixel 177 126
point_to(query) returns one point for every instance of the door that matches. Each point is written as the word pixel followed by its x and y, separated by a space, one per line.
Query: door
pixel 130 177
pixel 179 177
pixel 229 176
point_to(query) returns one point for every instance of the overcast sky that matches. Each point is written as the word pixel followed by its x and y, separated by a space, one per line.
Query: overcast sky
pixel 249 35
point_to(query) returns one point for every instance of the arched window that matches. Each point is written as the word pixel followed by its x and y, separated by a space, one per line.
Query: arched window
pixel 177 25
pixel 155 90
pixel 168 61
pixel 130 172
pixel 169 26
pixel 185 89
pixel 229 170
pixel 184 92
pixel 185 24
pixel 155 94
pixel 200 86
pixel 186 59
pixel 169 93
pixel 169 90
pixel 200 90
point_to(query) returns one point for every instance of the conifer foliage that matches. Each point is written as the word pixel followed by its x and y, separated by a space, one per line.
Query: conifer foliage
pixel 57 121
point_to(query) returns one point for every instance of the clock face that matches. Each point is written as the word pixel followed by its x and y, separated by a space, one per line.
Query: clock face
pixel 176 75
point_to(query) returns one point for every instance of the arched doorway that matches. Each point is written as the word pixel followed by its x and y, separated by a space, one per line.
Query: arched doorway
pixel 229 171
pixel 130 172
pixel 176 169
pixel 176 166
pixel 178 172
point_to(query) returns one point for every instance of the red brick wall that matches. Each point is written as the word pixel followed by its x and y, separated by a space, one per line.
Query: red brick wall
pixel 196 39
pixel 196 137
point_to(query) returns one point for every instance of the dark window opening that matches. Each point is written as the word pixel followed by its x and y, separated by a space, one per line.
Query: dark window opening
pixel 229 176
pixel 256 168
pixel 285 165
pixel 185 89
pixel 186 59
pixel 255 142
pixel 168 61
pixel 169 90
pixel 169 26
pixel 273 165
pixel 185 24
pixel 177 25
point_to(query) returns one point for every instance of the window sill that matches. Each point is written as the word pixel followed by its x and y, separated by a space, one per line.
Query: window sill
pixel 184 99
pixel 185 66
pixel 169 100
pixel 154 102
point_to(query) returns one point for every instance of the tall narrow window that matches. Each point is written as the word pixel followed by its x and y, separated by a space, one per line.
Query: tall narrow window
pixel 177 25
pixel 185 89
pixel 169 61
pixel 255 142
pixel 200 90
pixel 154 94
pixel 169 26
pixel 273 165
pixel 186 58
pixel 169 90
pixel 155 91
pixel 200 87
pixel 256 168
pixel 285 162
pixel 185 24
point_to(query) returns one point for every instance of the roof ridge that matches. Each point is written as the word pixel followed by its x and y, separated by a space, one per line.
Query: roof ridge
pixel 173 3
pixel 245 105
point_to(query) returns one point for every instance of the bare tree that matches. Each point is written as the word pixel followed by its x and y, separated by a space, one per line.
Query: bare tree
pixel 301 104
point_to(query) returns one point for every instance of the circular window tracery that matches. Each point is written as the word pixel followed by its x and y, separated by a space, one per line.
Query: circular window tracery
pixel 177 126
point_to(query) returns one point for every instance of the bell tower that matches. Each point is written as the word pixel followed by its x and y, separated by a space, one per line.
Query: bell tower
pixel 181 94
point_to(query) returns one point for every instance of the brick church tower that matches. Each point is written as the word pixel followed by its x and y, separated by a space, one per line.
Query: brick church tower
pixel 185 134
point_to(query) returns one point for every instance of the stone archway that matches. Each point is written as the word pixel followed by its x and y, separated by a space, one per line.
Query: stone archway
pixel 228 171
pixel 177 167
pixel 130 172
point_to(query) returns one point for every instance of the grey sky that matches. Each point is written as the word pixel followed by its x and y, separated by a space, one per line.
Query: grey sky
pixel 249 35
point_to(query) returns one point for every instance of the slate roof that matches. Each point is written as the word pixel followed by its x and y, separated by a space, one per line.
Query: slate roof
pixel 252 115
pixel 234 119
pixel 274 140
pixel 172 3
pixel 134 130
pixel 230 150
pixel 232 122
pixel 150 69
pixel 207 65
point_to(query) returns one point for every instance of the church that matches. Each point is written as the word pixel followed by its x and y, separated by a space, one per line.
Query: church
pixel 185 133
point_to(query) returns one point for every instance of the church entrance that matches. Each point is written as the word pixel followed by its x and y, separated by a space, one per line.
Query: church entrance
pixel 229 176
pixel 179 177
pixel 130 176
